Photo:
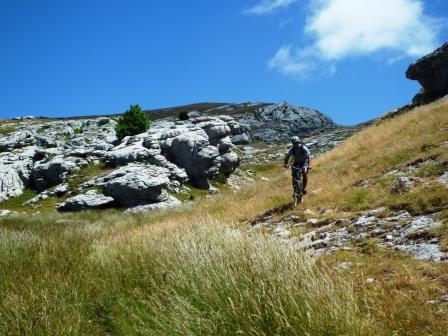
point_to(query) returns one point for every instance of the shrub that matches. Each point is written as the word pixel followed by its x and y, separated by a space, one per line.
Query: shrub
pixel 134 121
pixel 102 122
pixel 78 130
pixel 183 115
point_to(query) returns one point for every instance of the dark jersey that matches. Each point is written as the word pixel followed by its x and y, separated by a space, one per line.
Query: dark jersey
pixel 300 154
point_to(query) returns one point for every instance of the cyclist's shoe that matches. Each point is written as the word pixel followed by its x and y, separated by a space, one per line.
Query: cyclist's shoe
pixel 304 191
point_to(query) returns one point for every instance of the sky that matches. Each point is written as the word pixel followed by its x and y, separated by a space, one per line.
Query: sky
pixel 345 58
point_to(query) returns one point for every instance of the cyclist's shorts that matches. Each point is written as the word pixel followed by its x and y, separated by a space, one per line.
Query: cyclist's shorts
pixel 303 165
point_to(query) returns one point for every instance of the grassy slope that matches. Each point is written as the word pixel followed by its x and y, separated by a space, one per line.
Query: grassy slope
pixel 196 270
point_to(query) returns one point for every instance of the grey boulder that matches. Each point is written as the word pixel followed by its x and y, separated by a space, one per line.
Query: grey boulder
pixel 136 185
pixel 229 162
pixel 15 171
pixel 169 202
pixel 16 140
pixel 54 172
pixel 90 200
pixel 193 152
pixel 11 184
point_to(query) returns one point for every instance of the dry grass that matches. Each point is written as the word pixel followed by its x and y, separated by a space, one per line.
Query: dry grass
pixel 374 151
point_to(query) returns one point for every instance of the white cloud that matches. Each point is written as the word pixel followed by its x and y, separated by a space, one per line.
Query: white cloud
pixel 290 61
pixel 267 6
pixel 345 28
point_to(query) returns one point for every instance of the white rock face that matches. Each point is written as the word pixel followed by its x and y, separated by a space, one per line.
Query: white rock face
pixel 15 171
pixel 10 183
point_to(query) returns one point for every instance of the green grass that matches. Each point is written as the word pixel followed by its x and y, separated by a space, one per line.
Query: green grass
pixel 5 130
pixel 43 128
pixel 16 203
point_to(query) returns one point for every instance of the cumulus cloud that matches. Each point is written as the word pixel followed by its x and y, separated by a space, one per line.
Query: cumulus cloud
pixel 267 6
pixel 344 28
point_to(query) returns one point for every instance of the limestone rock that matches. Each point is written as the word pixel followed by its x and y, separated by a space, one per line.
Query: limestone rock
pixel 229 162
pixel 90 200
pixel 169 202
pixel 136 185
pixel 54 172
pixel 16 140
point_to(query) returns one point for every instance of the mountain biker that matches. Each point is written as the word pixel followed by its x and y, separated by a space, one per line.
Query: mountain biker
pixel 301 159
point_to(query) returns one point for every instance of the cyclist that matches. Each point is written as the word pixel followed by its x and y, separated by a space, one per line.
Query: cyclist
pixel 301 159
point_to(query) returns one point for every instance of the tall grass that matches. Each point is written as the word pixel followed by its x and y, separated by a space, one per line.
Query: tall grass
pixel 215 280
pixel 207 278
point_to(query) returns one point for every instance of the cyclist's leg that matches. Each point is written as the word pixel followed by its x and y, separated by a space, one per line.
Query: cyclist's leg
pixel 305 177
pixel 294 176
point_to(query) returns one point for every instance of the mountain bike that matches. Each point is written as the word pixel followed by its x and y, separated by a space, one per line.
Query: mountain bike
pixel 298 184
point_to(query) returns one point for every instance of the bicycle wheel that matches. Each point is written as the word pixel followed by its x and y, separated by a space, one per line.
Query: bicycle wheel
pixel 298 195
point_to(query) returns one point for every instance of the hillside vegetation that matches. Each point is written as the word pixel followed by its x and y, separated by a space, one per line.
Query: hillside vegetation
pixel 200 269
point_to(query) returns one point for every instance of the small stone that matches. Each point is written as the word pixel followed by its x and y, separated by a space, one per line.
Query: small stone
pixel 444 179
pixel 312 221
pixel 389 237
pixel 370 280
pixel 364 221
pixel 344 265
pixel 308 212
pixel 402 185
pixel 5 212
pixel 444 298
pixel 432 302
pixel 317 191
pixel 213 190
pixel 281 232
pixel 264 178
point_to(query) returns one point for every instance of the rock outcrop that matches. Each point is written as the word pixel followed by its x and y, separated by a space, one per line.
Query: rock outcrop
pixel 15 172
pixel 431 71
pixel 44 156
pixel 137 184
pixel 276 123
pixel 90 200
pixel 47 155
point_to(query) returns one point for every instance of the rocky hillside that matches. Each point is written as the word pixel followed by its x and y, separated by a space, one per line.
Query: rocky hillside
pixel 80 164
pixel 387 184
pixel 267 123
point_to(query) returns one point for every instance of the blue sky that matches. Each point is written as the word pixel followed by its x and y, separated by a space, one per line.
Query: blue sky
pixel 346 58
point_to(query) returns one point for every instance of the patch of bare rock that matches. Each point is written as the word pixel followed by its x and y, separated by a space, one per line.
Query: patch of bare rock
pixel 399 231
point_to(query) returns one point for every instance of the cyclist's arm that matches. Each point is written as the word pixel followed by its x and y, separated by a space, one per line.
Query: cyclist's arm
pixel 308 153
pixel 287 157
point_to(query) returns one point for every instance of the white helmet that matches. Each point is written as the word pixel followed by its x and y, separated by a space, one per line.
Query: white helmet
pixel 295 139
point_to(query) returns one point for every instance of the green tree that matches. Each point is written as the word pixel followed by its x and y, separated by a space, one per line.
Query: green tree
pixel 134 121
pixel 183 115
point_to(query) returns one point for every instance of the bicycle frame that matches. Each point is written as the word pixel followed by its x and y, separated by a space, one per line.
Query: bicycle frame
pixel 297 183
